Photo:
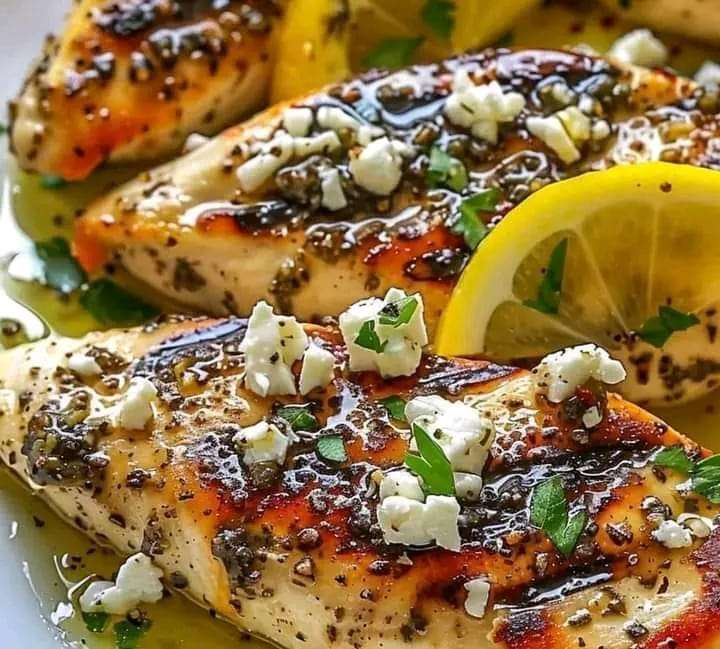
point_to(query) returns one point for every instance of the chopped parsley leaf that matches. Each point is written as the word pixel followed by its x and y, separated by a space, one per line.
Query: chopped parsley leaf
pixel 674 457
pixel 549 512
pixel 299 418
pixel 657 329
pixel 128 634
pixel 704 475
pixel 95 622
pixel 432 465
pixel 395 406
pixel 439 16
pixel 398 313
pixel 332 448
pixel 446 171
pixel 368 339
pixel 550 289
pixel 52 182
pixel 393 53
pixel 60 269
pixel 113 306
pixel 470 225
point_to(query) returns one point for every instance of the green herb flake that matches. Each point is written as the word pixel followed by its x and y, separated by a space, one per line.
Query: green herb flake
pixel 398 313
pixel 96 622
pixel 439 17
pixel 550 290
pixel 128 634
pixel 549 512
pixel 332 448
pixel 113 306
pixel 706 478
pixel 393 53
pixel 3 128
pixel 674 458
pixel 60 269
pixel 658 329
pixel 367 338
pixel 395 406
pixel 446 171
pixel 299 418
pixel 432 465
pixel 52 182
pixel 470 225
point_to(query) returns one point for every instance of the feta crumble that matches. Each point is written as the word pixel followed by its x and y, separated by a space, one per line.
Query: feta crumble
pixel 336 119
pixel 672 535
pixel 401 483
pixel 333 196
pixel 262 442
pixel 83 364
pixel 410 522
pixel 699 526
pixel 639 47
pixel 552 132
pixel 271 344
pixel 559 374
pixel 468 486
pixel 481 107
pixel 138 581
pixel 463 434
pixel 403 344
pixel 378 166
pixel 273 154
pixel 297 121
pixel 194 141
pixel 478 593
pixel 135 408
pixel 317 368
pixel 708 74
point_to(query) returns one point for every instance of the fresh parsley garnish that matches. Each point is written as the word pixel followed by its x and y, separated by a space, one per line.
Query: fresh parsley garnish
pixel 368 339
pixel 3 128
pixel 331 448
pixel 446 171
pixel 395 406
pixel 52 182
pixel 658 329
pixel 95 622
pixel 299 418
pixel 439 16
pixel 470 225
pixel 674 457
pixel 112 305
pixel 128 634
pixel 398 313
pixel 549 512
pixel 393 53
pixel 60 269
pixel 550 289
pixel 432 465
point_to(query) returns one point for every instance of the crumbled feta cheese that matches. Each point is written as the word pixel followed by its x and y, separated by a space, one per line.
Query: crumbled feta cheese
pixel 333 197
pixel 403 344
pixel 317 368
pixel 9 402
pixel 561 373
pixel 478 592
pixel 481 108
pixel 562 93
pixel 138 581
pixel 271 344
pixel 552 132
pixel 592 417
pixel 378 167
pixel 84 365
pixel 135 408
pixel 639 47
pixel 672 535
pixel 262 442
pixel 195 141
pixel 401 483
pixel 410 522
pixel 600 130
pixel 297 121
pixel 326 142
pixel 336 119
pixel 576 123
pixel 463 434
pixel 708 74
pixel 699 526
pixel 272 155
pixel 468 486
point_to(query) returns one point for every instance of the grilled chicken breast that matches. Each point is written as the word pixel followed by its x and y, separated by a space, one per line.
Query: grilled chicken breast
pixel 315 207
pixel 130 80
pixel 292 550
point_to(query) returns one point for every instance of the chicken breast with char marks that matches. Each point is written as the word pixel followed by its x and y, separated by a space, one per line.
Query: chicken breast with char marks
pixel 286 513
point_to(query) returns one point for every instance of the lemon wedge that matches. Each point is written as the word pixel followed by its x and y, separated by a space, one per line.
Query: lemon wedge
pixel 628 258
pixel 323 41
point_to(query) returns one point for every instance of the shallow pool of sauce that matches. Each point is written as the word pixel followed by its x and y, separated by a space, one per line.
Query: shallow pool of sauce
pixel 51 555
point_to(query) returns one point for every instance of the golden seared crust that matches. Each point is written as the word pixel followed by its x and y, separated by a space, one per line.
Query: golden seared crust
pixel 130 80
pixel 195 231
pixel 294 551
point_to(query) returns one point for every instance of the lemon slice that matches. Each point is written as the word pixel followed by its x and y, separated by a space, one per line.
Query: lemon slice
pixel 322 41
pixel 628 258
